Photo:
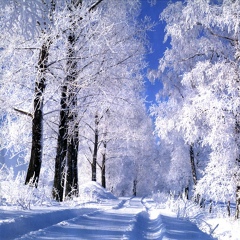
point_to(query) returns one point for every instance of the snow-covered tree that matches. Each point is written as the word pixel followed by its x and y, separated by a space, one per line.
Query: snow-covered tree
pixel 32 19
pixel 82 58
pixel 200 73
pixel 107 53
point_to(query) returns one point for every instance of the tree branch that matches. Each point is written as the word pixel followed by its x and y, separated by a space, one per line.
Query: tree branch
pixel 99 165
pixel 88 159
pixel 23 112
pixel 94 5
pixel 27 48
pixel 218 35
pixel 191 57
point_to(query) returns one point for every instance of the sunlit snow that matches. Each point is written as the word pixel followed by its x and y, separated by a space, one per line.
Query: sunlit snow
pixel 105 217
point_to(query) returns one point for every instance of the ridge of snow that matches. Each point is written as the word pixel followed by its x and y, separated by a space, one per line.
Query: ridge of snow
pixel 94 190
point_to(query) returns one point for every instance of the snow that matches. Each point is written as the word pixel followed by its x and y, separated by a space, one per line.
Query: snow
pixel 95 191
pixel 102 217
pixel 226 228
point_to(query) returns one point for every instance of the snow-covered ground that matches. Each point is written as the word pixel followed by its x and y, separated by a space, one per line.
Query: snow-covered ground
pixel 217 223
pixel 106 217
pixel 226 228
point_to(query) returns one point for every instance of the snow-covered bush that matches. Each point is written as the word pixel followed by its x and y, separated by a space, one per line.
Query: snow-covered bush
pixel 217 222
pixel 161 199
pixel 182 207
pixel 13 192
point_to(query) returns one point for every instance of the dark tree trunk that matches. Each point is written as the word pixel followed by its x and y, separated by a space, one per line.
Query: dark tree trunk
pixel 72 169
pixel 192 160
pixel 72 151
pixel 237 132
pixel 104 172
pixel 66 184
pixel 95 150
pixel 194 172
pixel 186 193
pixel 34 167
pixel 135 188
pixel 103 168
pixel 237 215
pixel 60 160
pixel 73 127
pixel 210 206
pixel 66 174
pixel 229 208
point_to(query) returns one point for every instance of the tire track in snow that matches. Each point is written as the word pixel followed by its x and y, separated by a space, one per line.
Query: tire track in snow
pixel 15 224
pixel 23 224
pixel 115 222
pixel 144 227
pixel 125 219
pixel 164 227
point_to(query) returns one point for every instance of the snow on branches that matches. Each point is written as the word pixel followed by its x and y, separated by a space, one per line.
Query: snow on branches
pixel 200 74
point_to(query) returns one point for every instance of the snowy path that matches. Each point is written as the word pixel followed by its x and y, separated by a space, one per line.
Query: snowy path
pixel 114 219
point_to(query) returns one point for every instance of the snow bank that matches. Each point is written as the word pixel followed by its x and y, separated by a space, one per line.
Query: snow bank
pixel 93 191
pixel 226 228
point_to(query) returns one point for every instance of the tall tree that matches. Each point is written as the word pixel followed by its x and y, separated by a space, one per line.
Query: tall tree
pixel 109 40
pixel 205 72
pixel 33 20
pixel 37 122
pixel 34 167
pixel 66 174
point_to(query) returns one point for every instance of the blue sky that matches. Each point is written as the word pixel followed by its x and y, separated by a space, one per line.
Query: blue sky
pixel 156 42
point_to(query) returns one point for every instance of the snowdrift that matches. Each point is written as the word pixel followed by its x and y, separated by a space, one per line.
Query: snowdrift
pixel 94 191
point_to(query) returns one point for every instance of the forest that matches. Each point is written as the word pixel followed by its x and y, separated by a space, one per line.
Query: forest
pixel 72 102
pixel 73 108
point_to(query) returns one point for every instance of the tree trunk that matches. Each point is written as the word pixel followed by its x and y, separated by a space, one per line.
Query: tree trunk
pixel 194 172
pixel 95 150
pixel 73 127
pixel 60 160
pixel 103 169
pixel 72 168
pixel 72 152
pixel 34 167
pixel 237 215
pixel 135 188
pixel 210 206
pixel 186 193
pixel 237 174
pixel 66 174
pixel 229 208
